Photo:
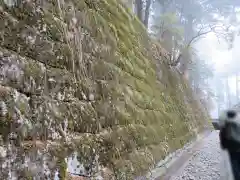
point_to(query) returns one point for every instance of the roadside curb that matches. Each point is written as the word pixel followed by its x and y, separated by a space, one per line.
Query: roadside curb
pixel 177 160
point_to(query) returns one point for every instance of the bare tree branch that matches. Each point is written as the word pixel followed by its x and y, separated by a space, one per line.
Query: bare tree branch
pixel 197 36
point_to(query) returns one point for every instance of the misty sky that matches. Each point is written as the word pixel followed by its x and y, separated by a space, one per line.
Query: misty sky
pixel 213 51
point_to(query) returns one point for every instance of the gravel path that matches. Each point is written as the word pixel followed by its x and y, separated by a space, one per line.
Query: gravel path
pixel 205 162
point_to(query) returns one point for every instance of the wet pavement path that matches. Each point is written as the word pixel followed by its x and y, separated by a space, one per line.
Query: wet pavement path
pixel 203 161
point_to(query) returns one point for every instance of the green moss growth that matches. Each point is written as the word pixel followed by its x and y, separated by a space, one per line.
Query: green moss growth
pixel 104 62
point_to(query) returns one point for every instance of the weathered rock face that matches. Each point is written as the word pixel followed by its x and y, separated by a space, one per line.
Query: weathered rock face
pixel 83 76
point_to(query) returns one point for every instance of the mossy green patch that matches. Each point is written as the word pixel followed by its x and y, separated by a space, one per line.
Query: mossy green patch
pixel 105 67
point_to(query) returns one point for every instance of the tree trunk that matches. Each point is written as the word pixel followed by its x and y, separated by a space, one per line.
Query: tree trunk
pixel 139 9
pixel 185 60
pixel 237 88
pixel 227 93
pixel 147 12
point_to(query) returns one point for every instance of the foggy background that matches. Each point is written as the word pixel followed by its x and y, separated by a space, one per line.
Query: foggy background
pixel 224 62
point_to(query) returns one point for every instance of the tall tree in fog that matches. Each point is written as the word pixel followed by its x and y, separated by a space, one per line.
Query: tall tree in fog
pixel 178 24
pixel 147 12
pixel 196 17
pixel 143 10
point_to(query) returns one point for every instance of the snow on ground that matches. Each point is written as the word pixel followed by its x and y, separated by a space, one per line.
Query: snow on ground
pixel 205 163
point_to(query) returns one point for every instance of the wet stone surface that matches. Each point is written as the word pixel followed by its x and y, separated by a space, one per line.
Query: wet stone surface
pixel 205 163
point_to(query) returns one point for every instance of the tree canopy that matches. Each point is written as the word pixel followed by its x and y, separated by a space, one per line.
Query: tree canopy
pixel 179 24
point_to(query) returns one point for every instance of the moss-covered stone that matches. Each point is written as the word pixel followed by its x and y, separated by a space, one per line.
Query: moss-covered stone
pixel 91 64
